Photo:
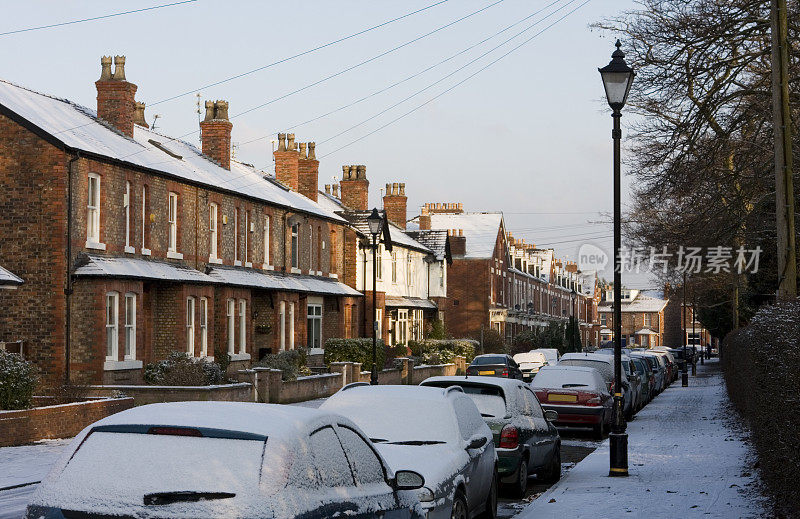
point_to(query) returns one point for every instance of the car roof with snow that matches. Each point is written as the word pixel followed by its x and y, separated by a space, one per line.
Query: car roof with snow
pixel 590 356
pixel 505 383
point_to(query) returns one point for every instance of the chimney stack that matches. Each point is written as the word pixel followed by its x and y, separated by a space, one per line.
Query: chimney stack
pixel 138 115
pixel 395 204
pixel 115 95
pixel 458 242
pixel 215 133
pixel 287 162
pixel 424 218
pixel 449 208
pixel 355 187
pixel 308 171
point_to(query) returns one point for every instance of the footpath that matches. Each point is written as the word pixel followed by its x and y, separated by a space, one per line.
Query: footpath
pixel 687 457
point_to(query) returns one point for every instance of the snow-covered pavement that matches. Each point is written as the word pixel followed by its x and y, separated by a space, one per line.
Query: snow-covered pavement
pixel 22 467
pixel 686 458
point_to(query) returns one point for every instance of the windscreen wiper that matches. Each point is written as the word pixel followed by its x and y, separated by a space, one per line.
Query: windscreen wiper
pixel 418 442
pixel 184 496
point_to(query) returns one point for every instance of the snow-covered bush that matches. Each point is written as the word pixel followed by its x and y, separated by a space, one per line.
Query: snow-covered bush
pixel 292 363
pixel 354 350
pixel 179 369
pixel 17 381
pixel 761 371
pixel 433 351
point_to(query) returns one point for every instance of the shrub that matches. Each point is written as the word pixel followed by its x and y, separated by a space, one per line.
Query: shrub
pixel 292 363
pixel 760 362
pixel 17 381
pixel 437 330
pixel 179 369
pixel 493 342
pixel 354 350
pixel 223 358
pixel 433 351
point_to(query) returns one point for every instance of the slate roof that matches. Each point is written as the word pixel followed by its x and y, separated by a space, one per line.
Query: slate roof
pixel 9 279
pixel 78 128
pixel 271 280
pixel 92 265
pixel 480 229
pixel 409 302
pixel 434 239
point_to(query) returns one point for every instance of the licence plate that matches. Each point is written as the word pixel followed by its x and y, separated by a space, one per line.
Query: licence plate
pixel 486 372
pixel 562 398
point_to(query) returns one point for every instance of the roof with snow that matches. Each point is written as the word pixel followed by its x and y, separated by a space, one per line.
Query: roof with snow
pixel 642 303
pixel 434 239
pixel 91 265
pixel 358 220
pixel 271 280
pixel 78 128
pixel 480 229
pixel 8 279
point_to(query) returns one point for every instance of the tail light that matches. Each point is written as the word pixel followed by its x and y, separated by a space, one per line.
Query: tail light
pixel 505 373
pixel 590 399
pixel 509 437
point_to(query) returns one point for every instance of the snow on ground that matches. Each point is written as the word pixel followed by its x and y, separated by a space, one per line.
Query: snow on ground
pixel 22 465
pixel 685 457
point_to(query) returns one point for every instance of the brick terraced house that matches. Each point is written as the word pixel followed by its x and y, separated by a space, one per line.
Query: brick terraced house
pixel 642 318
pixel 133 244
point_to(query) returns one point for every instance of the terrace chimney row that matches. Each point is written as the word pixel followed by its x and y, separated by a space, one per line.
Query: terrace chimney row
pixel 215 133
pixel 115 96
pixel 296 165
pixel 355 187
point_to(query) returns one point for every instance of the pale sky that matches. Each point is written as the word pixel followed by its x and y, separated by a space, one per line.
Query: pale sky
pixel 529 136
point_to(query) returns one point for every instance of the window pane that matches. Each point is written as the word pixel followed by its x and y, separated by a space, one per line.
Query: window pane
pixel 329 458
pixel 365 463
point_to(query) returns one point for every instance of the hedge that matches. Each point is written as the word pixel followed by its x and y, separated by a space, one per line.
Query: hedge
pixel 17 381
pixel 354 350
pixel 292 363
pixel 760 364
pixel 433 351
pixel 179 369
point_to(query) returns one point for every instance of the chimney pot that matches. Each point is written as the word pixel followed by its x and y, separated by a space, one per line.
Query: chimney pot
pixel 221 110
pixel 388 189
pixel 402 189
pixel 119 68
pixel 327 189
pixel 209 111
pixel 290 144
pixel 335 188
pixel 281 142
pixel 105 68
pixel 138 115
pixel 311 154
pixel 303 154
pixel 345 172
pixel 461 232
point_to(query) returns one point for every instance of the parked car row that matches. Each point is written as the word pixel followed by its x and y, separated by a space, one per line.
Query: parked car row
pixel 443 449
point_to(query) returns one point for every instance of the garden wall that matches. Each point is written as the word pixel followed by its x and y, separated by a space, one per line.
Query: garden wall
pixel 144 394
pixel 55 421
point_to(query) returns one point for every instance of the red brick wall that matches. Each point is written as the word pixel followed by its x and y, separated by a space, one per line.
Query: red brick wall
pixel 116 105
pixel 308 178
pixel 395 206
pixel 216 139
pixel 468 297
pixel 58 421
pixel 286 168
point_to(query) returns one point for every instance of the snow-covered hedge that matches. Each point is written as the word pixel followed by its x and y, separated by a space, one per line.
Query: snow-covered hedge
pixel 179 369
pixel 292 363
pixel 762 371
pixel 434 352
pixel 17 381
pixel 354 350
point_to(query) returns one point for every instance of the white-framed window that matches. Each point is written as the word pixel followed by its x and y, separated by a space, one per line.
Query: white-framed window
pixel 172 218
pixel 603 319
pixel 242 326
pixel 130 326
pixel 402 326
pixel 416 325
pixel 190 326
pixel 282 324
pixel 379 261
pixel 203 327
pixel 112 326
pixel 379 320
pixel 394 267
pixel 236 234
pixel 266 241
pixel 314 329
pixel 93 209
pixel 646 320
pixel 231 315
pixel 291 326
pixel 311 248
pixel 295 246
pixel 213 212
pixel 409 269
pixel 127 204
pixel 246 236
pixel 144 218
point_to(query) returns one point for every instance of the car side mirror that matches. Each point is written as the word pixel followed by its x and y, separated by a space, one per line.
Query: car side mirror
pixel 408 480
pixel 550 415
pixel 476 442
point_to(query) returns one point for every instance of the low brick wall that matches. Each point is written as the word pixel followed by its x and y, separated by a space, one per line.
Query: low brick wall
pixel 309 388
pixel 55 421
pixel 143 394
pixel 420 373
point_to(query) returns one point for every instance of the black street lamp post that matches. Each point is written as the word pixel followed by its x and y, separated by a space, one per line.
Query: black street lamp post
pixel 375 222
pixel 685 373
pixel 573 296
pixel 617 80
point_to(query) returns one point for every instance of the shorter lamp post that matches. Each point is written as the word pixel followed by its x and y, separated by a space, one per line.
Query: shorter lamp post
pixel 375 222
pixel 573 295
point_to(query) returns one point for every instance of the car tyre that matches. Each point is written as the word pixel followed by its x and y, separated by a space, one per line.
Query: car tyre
pixel 519 486
pixel 490 508
pixel 553 471
pixel 459 510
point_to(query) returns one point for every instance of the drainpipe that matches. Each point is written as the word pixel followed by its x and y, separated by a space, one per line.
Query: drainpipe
pixel 68 286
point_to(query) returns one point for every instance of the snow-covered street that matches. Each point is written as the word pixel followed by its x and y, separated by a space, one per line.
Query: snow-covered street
pixel 687 458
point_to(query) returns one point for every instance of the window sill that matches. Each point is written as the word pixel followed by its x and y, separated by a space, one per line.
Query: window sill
pixel 333 276
pixel 216 261
pixel 130 250
pixel 237 263
pixel 316 351
pixel 116 365
pixel 268 267
pixel 248 265
pixel 319 272
pixel 174 255
pixel 295 270
pixel 239 356
pixel 146 252
pixel 95 245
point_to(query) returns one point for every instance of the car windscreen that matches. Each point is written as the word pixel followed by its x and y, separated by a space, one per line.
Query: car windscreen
pixel 605 368
pixel 482 361
pixel 132 466
pixel 549 378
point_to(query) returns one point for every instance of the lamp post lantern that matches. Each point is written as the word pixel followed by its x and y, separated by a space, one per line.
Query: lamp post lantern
pixel 375 222
pixel 617 79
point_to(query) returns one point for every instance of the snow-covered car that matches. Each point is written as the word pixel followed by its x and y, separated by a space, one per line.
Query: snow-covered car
pixel 437 432
pixel 529 363
pixel 662 380
pixel 603 363
pixel 652 365
pixel 578 394
pixel 525 439
pixel 494 365
pixel 645 373
pixel 672 366
pixel 551 354
pixel 224 459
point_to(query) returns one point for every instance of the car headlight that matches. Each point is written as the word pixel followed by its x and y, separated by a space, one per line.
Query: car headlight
pixel 425 495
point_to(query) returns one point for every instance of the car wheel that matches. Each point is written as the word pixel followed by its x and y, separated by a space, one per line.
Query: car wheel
pixel 490 508
pixel 553 472
pixel 520 485
pixel 459 506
